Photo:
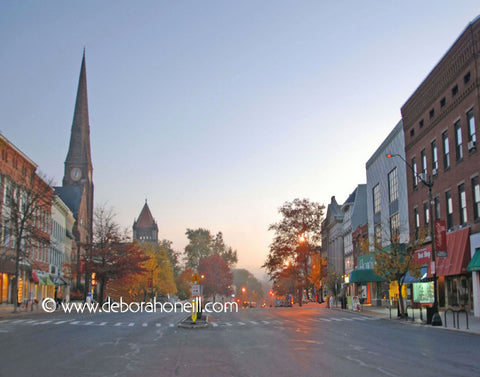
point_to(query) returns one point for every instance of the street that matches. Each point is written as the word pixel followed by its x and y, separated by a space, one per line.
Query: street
pixel 307 341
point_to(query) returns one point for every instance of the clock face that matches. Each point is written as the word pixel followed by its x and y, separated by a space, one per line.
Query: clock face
pixel 76 174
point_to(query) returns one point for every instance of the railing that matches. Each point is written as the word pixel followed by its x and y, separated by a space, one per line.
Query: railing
pixel 458 317
pixel 413 313
pixel 445 317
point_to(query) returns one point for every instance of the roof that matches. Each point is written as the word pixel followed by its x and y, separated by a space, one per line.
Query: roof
pixel 71 196
pixel 145 219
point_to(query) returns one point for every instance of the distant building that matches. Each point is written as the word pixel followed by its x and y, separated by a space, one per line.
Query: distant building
pixel 355 215
pixel 440 121
pixel 332 237
pixel 145 228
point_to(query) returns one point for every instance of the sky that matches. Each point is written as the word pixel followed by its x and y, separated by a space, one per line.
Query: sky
pixel 218 112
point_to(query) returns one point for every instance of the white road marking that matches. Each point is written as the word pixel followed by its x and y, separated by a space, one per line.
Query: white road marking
pixel 131 324
pixel 144 324
pixel 158 324
pixel 75 322
pixel 241 323
pixel 118 324
pixel 88 323
pixel 253 322
pixel 214 324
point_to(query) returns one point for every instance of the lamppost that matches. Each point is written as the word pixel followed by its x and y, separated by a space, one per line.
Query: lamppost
pixel 436 319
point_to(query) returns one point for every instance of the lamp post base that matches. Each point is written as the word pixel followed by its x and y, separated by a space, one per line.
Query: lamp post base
pixel 436 320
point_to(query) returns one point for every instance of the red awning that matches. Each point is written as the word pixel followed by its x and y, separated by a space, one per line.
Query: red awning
pixel 34 277
pixel 458 257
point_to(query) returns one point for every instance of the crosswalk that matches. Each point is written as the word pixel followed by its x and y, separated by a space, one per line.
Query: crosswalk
pixel 214 322
pixel 73 322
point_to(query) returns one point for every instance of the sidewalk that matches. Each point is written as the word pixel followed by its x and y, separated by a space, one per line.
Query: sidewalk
pixel 384 313
pixel 6 311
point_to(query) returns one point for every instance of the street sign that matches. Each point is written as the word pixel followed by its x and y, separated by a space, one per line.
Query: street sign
pixel 195 278
pixel 440 239
pixel 196 290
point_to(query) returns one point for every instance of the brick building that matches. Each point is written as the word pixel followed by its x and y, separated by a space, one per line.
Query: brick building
pixel 24 198
pixel 440 122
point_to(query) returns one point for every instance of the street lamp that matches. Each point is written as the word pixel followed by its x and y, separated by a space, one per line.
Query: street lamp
pixel 436 319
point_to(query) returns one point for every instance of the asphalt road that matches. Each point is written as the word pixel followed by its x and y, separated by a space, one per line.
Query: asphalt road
pixel 308 341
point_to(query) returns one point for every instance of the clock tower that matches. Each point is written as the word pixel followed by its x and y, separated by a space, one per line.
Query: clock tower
pixel 77 188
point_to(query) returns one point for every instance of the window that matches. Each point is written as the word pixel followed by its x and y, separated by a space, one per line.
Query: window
pixel 417 218
pixel 448 198
pixel 454 90
pixel 424 164
pixel 415 176
pixel 376 199
pixel 443 101
pixel 458 141
pixel 462 204
pixel 432 113
pixel 412 132
pixel 421 123
pixel 466 78
pixel 476 198
pixel 395 227
pixel 436 203
pixel 426 214
pixel 393 185
pixel 378 234
pixel 446 151
pixel 472 136
pixel 434 158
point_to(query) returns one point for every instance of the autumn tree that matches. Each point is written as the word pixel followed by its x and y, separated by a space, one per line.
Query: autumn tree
pixel 297 236
pixel 244 278
pixel 111 256
pixel 316 277
pixel 173 256
pixel 394 261
pixel 184 283
pixel 25 216
pixel 202 245
pixel 218 278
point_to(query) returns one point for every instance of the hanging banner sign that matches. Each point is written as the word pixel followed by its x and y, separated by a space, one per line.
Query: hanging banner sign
pixel 440 238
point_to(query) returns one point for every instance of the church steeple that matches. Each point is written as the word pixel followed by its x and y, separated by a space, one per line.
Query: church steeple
pixel 78 165
pixel 145 229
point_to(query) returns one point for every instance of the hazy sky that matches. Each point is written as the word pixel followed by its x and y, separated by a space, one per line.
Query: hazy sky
pixel 218 111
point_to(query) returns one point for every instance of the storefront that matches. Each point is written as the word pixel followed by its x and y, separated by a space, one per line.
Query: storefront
pixel 369 287
pixel 453 278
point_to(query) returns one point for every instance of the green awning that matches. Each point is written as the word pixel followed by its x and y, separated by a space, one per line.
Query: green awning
pixel 474 264
pixel 363 276
pixel 45 281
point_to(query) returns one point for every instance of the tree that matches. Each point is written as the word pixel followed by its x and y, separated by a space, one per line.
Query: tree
pixel 202 245
pixel 111 256
pixel 173 256
pixel 25 215
pixel 297 236
pixel 218 278
pixel 244 279
pixel 334 282
pixel 184 282
pixel 316 272
pixel 394 261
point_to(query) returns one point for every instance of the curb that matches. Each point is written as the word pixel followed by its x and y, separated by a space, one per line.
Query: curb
pixel 188 324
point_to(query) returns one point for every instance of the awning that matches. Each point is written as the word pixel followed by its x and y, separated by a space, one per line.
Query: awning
pixel 458 249
pixel 57 280
pixel 474 264
pixel 45 280
pixel 409 279
pixel 34 277
pixel 363 276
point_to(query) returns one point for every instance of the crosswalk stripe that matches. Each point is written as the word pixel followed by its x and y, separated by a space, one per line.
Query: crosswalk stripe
pixel 266 322
pixel 228 324
pixel 214 324
pixel 336 319
pixel 253 322
pixel 325 319
pixel 158 324
pixel 75 322
pixel 118 324
pixel 59 322
pixel 88 323
pixel 144 324
pixel 32 321
pixel 171 325
pixel 131 324
pixel 102 323
pixel 241 323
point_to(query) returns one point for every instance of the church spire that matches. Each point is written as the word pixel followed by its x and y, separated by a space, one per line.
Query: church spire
pixel 79 158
